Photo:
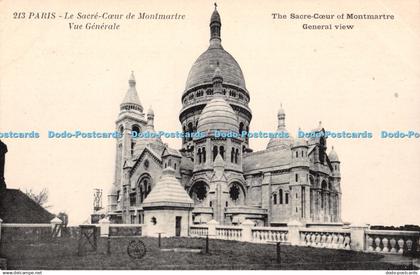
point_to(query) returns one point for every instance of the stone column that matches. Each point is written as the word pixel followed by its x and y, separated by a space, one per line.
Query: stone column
pixel 339 207
pixel 104 227
pixel 266 195
pixel 212 228
pixel 293 235
pixel 247 230
pixel 357 236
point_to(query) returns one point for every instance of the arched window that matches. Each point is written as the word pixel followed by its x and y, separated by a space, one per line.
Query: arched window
pixel 144 189
pixel 174 166
pixel 199 155
pixel 135 130
pixel 286 198
pixel 241 128
pixel 297 154
pixel 170 163
pixel 184 131
pixel 232 155
pixel 281 196
pixel 132 147
pixel 121 130
pixel 246 137
pixel 296 177
pixel 236 155
pixel 274 198
pixel 302 154
pixel 204 155
pixel 222 152
pixel 215 150
pixel 190 130
pixel 234 192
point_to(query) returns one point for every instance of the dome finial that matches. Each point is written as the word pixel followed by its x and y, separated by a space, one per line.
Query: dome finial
pixel 281 116
pixel 132 80
pixel 215 26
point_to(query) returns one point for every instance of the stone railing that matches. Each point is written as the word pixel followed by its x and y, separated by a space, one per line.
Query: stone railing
pixel 328 238
pixel 352 237
pixel 269 234
pixel 199 230
pixel 229 233
pixel 390 241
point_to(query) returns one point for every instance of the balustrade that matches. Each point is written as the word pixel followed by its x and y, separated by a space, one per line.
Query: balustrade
pixel 396 242
pixel 229 233
pixel 262 235
pixel 198 231
pixel 334 240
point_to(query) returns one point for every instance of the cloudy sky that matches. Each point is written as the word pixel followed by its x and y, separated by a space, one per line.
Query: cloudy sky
pixel 53 78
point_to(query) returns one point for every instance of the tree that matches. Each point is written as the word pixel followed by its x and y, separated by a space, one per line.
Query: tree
pixel 40 198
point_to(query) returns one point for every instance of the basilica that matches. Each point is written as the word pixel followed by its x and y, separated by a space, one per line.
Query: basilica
pixel 293 179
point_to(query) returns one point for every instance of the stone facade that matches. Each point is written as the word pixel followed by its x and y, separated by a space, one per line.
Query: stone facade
pixel 292 180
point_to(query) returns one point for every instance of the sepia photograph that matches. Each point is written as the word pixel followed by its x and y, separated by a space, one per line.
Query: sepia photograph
pixel 202 135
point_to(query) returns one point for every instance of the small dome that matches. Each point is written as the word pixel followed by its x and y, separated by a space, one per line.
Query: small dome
pixel 319 128
pixel 280 141
pixel 218 115
pixel 300 142
pixel 333 155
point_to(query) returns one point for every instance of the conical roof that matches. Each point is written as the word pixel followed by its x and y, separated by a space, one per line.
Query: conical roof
pixel 131 98
pixel 168 192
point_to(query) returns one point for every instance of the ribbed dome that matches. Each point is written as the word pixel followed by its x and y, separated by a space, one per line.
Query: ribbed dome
pixel 168 191
pixel 218 115
pixel 203 69
pixel 333 155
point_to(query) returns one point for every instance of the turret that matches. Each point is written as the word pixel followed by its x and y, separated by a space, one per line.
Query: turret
pixel 299 181
pixel 284 139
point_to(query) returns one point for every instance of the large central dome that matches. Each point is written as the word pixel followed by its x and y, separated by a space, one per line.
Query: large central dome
pixel 203 69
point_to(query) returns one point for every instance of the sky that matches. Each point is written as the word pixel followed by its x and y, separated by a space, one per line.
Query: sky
pixel 365 79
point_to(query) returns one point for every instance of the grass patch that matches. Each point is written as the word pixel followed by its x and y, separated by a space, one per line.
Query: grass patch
pixel 62 254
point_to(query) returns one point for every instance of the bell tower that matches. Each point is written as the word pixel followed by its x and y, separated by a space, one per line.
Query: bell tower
pixel 130 119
